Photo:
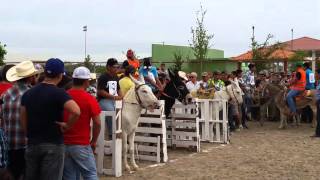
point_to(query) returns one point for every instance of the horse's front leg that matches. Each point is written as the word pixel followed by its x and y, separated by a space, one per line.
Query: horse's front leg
pixel 125 151
pixel 283 120
pixel 131 151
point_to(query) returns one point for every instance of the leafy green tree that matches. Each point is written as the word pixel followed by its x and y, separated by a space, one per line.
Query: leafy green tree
pixel 3 52
pixel 88 63
pixel 200 42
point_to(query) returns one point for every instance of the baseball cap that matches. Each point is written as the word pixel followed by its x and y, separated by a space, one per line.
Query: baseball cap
pixel 81 73
pixel 204 74
pixel 112 62
pixel 54 66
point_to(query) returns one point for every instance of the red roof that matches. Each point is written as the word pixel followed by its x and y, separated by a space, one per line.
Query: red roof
pixel 278 54
pixel 303 44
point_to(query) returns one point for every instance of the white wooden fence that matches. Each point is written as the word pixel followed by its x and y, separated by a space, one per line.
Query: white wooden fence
pixel 185 126
pixel 114 146
pixel 150 136
pixel 213 120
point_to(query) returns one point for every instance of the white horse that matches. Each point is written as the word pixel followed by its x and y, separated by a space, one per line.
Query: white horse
pixel 134 101
pixel 233 94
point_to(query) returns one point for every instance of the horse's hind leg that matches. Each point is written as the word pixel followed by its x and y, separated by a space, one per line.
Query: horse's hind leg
pixel 131 151
pixel 125 151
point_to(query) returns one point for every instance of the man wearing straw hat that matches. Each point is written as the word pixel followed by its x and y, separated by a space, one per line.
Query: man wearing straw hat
pixel 42 110
pixel 23 74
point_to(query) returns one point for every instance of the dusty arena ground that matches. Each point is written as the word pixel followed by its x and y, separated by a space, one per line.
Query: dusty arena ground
pixel 258 153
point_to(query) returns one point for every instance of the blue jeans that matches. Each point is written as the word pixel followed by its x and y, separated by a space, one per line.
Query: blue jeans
pixel 108 105
pixel 44 161
pixel 78 160
pixel 248 102
pixel 290 99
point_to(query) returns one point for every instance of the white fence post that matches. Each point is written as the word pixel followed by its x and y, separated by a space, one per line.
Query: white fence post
pixel 115 144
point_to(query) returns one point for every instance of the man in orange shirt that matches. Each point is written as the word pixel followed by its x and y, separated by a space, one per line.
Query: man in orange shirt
pixel 133 62
pixel 297 86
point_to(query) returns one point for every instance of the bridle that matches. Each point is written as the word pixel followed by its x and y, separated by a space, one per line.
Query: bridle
pixel 137 96
pixel 175 87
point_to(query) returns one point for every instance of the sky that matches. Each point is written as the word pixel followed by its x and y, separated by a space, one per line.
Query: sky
pixel 41 29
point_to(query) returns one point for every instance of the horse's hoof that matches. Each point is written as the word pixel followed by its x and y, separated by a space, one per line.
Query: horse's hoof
pixel 136 168
pixel 127 168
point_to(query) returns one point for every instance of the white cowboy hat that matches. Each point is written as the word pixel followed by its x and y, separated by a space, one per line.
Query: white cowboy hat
pixel 182 75
pixel 22 70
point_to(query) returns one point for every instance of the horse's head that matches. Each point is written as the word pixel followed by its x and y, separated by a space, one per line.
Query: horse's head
pixel 175 89
pixel 144 94
pixel 234 92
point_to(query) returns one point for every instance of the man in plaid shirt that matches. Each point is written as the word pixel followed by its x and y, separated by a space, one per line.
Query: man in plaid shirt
pixel 23 75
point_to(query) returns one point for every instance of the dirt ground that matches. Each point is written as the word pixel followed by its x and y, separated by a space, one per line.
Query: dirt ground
pixel 257 153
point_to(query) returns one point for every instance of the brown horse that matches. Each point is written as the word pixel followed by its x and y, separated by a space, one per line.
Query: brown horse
pixel 279 92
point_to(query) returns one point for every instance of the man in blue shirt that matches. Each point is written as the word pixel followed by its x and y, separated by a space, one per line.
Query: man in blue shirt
pixel 310 77
pixel 310 84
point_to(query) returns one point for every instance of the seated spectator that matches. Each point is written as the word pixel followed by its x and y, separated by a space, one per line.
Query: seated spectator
pixel 204 81
pixel 193 84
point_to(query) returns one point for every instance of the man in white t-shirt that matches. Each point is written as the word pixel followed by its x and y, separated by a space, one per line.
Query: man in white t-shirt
pixel 193 84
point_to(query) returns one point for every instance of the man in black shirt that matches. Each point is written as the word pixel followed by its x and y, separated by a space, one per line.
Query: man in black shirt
pixel 42 118
pixel 109 90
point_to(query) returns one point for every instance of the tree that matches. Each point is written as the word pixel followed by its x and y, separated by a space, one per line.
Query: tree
pixel 200 41
pixel 87 63
pixel 3 52
pixel 262 51
pixel 178 61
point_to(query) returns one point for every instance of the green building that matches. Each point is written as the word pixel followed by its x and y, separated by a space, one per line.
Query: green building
pixel 162 53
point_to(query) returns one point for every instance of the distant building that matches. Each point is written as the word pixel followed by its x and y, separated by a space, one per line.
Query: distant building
pixel 162 53
pixel 280 58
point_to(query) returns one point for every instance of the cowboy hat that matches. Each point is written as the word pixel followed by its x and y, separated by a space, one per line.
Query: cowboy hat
pixel 182 75
pixel 22 70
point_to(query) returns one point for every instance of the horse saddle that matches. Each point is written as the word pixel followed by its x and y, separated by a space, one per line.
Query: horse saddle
pixel 306 94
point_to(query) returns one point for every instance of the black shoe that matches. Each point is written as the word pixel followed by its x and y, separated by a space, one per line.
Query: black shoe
pixel 245 126
pixel 315 136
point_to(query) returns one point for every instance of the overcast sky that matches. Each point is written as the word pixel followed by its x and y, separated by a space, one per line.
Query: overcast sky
pixel 40 29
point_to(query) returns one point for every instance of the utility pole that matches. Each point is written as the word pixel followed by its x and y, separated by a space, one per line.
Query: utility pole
pixel 291 39
pixel 253 32
pixel 85 41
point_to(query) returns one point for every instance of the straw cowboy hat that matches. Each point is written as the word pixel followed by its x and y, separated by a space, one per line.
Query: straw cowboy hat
pixel 22 70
